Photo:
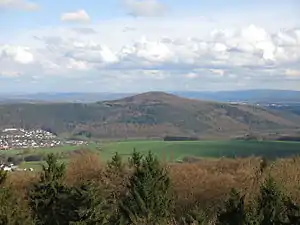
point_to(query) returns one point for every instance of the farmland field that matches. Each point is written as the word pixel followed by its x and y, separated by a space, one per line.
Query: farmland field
pixel 172 151
pixel 212 149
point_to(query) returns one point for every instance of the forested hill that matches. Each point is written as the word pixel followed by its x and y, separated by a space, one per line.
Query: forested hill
pixel 152 114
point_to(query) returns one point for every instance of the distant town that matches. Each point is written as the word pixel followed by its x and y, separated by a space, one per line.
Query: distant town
pixel 19 138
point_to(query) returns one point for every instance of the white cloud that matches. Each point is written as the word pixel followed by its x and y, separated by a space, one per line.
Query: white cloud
pixel 218 72
pixel 10 73
pixel 292 73
pixel 77 65
pixel 192 75
pixel 158 54
pixel 18 54
pixel 78 16
pixel 18 4
pixel 84 30
pixel 146 8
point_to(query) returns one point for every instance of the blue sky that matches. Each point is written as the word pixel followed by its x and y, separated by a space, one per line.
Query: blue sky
pixel 141 45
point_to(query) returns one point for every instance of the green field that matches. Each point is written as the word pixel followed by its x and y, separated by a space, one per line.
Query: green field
pixel 61 149
pixel 211 149
pixel 172 151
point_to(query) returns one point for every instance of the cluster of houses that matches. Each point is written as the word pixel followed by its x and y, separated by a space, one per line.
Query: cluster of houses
pixel 18 138
pixel 76 142
pixel 11 167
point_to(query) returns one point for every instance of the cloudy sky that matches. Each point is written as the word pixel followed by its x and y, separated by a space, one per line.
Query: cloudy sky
pixel 145 45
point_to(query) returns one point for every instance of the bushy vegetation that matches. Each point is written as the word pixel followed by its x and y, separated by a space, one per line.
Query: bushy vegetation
pixel 145 190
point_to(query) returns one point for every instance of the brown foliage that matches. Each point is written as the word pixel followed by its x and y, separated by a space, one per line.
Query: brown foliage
pixel 207 183
pixel 20 181
pixel 287 173
pixel 204 184
pixel 84 166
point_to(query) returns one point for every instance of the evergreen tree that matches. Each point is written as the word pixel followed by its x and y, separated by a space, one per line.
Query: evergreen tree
pixel 234 212
pixel 116 164
pixel 50 200
pixel 293 213
pixel 135 159
pixel 271 204
pixel 149 199
pixel 194 217
pixel 96 206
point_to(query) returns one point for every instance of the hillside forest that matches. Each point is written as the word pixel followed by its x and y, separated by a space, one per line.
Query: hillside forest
pixel 149 115
pixel 145 190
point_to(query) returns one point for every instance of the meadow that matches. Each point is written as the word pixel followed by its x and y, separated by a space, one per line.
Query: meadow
pixel 170 151
pixel 177 150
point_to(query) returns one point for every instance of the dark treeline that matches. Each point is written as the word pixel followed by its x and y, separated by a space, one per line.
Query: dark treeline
pixel 289 138
pixel 138 192
pixel 180 138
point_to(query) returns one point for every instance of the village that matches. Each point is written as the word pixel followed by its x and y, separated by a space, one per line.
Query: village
pixel 10 167
pixel 18 138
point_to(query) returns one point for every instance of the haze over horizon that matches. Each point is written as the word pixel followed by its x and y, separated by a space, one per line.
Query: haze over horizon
pixel 147 45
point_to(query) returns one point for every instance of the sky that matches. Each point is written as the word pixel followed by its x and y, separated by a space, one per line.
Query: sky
pixel 148 45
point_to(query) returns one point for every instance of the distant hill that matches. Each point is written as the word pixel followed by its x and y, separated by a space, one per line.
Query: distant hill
pixel 60 97
pixel 293 108
pixel 153 114
pixel 251 96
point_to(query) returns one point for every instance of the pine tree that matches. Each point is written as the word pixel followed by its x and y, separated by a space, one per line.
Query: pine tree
pixel 96 206
pixel 50 200
pixel 234 212
pixel 149 199
pixel 271 205
pixel 116 164
pixel 293 213
pixel 194 217
pixel 135 159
